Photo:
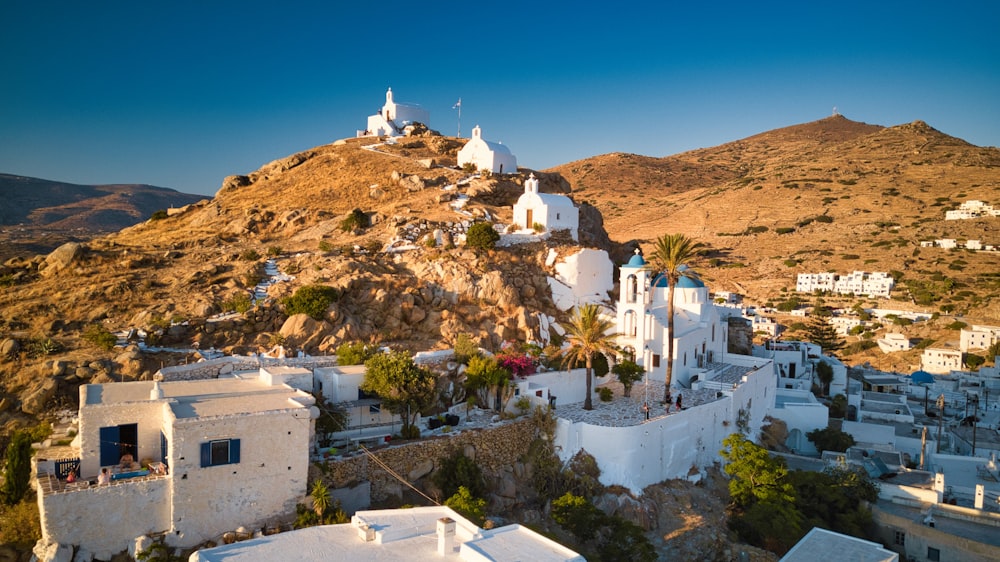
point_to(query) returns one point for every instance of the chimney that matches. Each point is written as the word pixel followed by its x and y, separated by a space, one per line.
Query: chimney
pixel 446 536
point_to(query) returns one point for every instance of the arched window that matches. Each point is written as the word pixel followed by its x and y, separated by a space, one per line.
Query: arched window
pixel 631 288
pixel 630 324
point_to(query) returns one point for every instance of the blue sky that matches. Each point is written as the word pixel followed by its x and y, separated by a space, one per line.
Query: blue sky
pixel 181 94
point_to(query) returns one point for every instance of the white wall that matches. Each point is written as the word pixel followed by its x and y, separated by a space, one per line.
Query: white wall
pixel 148 415
pixel 265 484
pixel 97 518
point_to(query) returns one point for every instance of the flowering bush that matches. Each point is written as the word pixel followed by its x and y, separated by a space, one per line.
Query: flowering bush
pixel 518 364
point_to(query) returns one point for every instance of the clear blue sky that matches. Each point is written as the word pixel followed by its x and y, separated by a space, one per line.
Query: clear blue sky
pixel 181 94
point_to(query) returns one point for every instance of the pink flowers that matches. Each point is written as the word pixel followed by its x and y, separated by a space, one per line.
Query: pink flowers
pixel 518 364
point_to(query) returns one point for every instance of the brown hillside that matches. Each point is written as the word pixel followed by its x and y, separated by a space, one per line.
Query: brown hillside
pixel 881 191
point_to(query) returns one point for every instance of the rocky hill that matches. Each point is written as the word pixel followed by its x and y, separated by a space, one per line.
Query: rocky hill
pixel 38 215
pixel 831 195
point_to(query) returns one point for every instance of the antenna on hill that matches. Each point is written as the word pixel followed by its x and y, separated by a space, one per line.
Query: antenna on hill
pixel 458 106
pixel 835 111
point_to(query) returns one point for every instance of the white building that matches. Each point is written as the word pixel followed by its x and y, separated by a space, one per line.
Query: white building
pixel 818 542
pixel 551 211
pixel 221 453
pixel 894 342
pixel 941 360
pixel 978 337
pixel 699 336
pixel 413 534
pixel 971 209
pixel 875 284
pixel 802 413
pixel 844 324
pixel 393 118
pixel 485 155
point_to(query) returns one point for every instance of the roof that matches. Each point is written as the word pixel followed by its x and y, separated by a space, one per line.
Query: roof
pixel 683 283
pixel 636 261
pixel 921 377
pixel 818 543
pixel 399 534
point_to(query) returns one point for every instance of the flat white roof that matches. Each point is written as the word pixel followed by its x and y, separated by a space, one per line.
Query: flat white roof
pixel 400 534
pixel 202 398
pixel 820 543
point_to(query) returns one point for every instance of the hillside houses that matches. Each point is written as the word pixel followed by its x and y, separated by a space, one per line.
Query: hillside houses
pixel 978 336
pixel 971 209
pixel 875 284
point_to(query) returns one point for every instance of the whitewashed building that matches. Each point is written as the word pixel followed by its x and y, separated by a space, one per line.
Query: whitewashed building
pixel 218 454
pixel 393 118
pixel 894 342
pixel 941 360
pixel 978 337
pixel 875 284
pixel 485 155
pixel 971 209
pixel 551 211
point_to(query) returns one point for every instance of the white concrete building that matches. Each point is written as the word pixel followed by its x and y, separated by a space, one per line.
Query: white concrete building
pixel 485 155
pixel 700 335
pixel 978 336
pixel 819 542
pixel 941 360
pixel 414 534
pixel 220 454
pixel 894 342
pixel 874 284
pixel 802 413
pixel 551 211
pixel 393 118
pixel 971 209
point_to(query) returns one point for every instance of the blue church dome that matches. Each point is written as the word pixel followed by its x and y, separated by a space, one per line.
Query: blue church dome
pixel 683 283
pixel 921 377
pixel 636 261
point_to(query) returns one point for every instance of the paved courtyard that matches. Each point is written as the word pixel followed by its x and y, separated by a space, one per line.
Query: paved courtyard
pixel 622 411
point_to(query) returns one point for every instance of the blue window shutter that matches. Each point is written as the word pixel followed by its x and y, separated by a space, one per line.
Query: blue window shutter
pixel 234 451
pixel 206 454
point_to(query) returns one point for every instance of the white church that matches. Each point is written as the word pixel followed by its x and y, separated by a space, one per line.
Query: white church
pixel 486 155
pixel 394 117
pixel 551 211
pixel 700 332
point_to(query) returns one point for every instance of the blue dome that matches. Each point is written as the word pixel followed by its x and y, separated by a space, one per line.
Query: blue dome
pixel 921 377
pixel 636 261
pixel 683 283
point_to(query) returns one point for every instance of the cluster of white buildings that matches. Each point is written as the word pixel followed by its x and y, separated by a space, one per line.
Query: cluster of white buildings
pixel 971 209
pixel 978 336
pixel 875 284
pixel 951 244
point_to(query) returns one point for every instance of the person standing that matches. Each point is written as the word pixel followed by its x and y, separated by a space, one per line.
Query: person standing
pixel 679 396
pixel 645 409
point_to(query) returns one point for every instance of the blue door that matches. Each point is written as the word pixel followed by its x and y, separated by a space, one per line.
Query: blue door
pixel 110 448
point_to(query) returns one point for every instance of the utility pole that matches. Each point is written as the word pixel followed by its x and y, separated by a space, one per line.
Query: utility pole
pixel 940 404
pixel 975 422
pixel 458 106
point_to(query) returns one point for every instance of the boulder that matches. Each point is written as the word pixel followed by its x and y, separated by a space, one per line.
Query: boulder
pixel 301 330
pixel 422 469
pixel 9 347
pixel 35 400
pixel 52 552
pixel 234 182
pixel 62 257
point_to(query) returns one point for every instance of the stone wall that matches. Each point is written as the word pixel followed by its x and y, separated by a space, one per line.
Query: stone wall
pixel 496 450
pixel 214 367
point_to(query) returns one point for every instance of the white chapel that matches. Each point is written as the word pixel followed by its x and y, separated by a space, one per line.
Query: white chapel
pixel 551 211
pixel 486 155
pixel 394 117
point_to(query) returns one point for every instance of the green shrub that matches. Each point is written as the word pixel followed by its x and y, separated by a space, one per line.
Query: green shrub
pixel 250 255
pixel 355 220
pixel 467 505
pixel 354 353
pixel 273 251
pixel 537 227
pixel 100 336
pixel 325 246
pixel 606 394
pixel 19 524
pixel 791 263
pixel 756 229
pixel 465 348
pixel 784 230
pixel 859 346
pixel 956 325
pixel 459 471
pixel 482 235
pixel 239 303
pixel 824 219
pixel 159 215
pixel 310 299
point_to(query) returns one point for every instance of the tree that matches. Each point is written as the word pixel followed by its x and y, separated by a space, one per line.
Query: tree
pixel 671 253
pixel 405 388
pixel 320 498
pixel 825 374
pixel 482 235
pixel 587 335
pixel 332 418
pixel 829 439
pixel 628 373
pixel 467 505
pixel 18 468
pixel 354 353
pixel 310 299
pixel 821 333
pixel 838 406
pixel 756 475
pixel 459 471
pixel 484 375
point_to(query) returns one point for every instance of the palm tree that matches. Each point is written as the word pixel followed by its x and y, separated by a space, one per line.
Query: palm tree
pixel 587 334
pixel 321 498
pixel 670 253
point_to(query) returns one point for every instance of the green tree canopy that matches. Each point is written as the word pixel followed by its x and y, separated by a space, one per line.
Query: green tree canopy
pixel 18 468
pixel 628 373
pixel 405 388
pixel 482 235
pixel 829 439
pixel 821 333
pixel 587 335
pixel 824 371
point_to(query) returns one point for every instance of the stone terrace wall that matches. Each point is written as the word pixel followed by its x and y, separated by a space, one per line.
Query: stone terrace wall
pixel 495 449
pixel 212 368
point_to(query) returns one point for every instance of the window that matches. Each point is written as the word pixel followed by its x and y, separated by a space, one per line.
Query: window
pixel 220 451
pixel 656 360
pixel 899 538
pixel 933 554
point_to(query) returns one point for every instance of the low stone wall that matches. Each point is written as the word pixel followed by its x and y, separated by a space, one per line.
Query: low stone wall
pixel 212 368
pixel 496 450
